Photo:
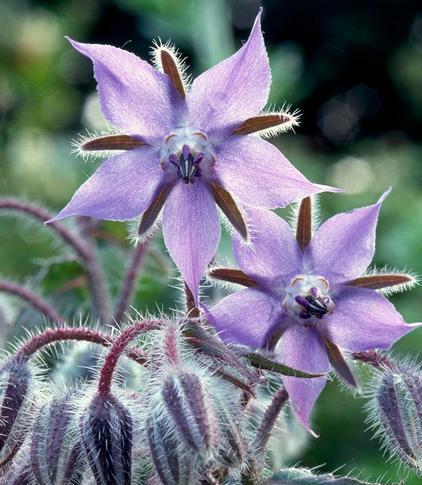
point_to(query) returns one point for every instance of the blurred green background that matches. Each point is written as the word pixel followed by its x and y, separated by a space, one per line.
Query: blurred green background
pixel 354 69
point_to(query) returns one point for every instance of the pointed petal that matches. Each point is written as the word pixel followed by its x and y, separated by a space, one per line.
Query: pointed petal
pixel 302 348
pixel 134 97
pixel 273 252
pixel 246 317
pixel 362 320
pixel 121 188
pixel 237 88
pixel 257 174
pixel 191 230
pixel 343 247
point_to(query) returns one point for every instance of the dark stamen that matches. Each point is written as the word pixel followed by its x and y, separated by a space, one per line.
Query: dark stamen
pixel 187 166
pixel 313 305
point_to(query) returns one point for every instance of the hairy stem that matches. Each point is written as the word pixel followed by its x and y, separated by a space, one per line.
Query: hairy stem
pixel 118 348
pixel 84 252
pixel 101 300
pixel 35 300
pixel 50 336
pixel 129 282
pixel 43 216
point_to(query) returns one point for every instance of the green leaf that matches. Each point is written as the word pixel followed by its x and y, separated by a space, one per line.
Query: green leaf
pixel 258 360
pixel 291 476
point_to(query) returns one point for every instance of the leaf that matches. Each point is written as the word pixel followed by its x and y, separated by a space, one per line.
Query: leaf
pixel 262 362
pixel 301 476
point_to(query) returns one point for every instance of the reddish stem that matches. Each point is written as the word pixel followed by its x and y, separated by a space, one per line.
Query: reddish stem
pixel 80 334
pixel 116 351
pixel 129 282
pixel 43 215
pixel 35 300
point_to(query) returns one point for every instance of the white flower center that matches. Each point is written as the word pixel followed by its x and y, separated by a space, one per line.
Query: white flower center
pixel 187 154
pixel 307 299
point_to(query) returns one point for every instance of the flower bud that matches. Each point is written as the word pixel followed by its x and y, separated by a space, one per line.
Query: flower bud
pixel 56 455
pixel 172 466
pixel 396 413
pixel 16 392
pixel 106 428
pixel 191 411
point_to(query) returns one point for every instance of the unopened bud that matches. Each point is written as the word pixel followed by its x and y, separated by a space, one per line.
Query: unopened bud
pixel 107 435
pixel 192 412
pixel 172 466
pixel 396 413
pixel 16 391
pixel 56 455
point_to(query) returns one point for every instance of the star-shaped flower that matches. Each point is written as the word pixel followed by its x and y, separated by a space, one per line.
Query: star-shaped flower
pixel 309 298
pixel 187 148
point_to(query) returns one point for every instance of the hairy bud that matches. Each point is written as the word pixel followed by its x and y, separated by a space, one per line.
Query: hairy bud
pixel 172 466
pixel 56 455
pixel 19 472
pixel 16 391
pixel 191 410
pixel 395 411
pixel 107 435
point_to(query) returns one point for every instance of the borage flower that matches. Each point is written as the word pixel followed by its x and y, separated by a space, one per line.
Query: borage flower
pixel 188 148
pixel 307 299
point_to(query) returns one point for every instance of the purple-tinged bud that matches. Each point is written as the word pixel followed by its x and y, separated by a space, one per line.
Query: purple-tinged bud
pixel 172 466
pixel 106 428
pixel 192 411
pixel 16 398
pixel 56 454
pixel 19 471
pixel 395 412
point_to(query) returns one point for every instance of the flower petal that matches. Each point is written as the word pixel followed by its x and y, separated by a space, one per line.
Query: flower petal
pixel 237 88
pixel 191 230
pixel 273 252
pixel 121 188
pixel 255 172
pixel 343 247
pixel 302 348
pixel 134 97
pixel 246 317
pixel 363 320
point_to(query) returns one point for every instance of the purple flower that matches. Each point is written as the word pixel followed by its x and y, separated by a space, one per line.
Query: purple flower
pixel 307 298
pixel 187 148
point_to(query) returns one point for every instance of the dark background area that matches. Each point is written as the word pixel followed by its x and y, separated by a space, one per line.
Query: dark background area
pixel 354 69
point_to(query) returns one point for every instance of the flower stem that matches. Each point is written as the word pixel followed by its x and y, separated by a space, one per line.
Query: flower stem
pixel 101 301
pixel 84 251
pixel 129 282
pixel 42 215
pixel 35 300
pixel 118 348
pixel 80 334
